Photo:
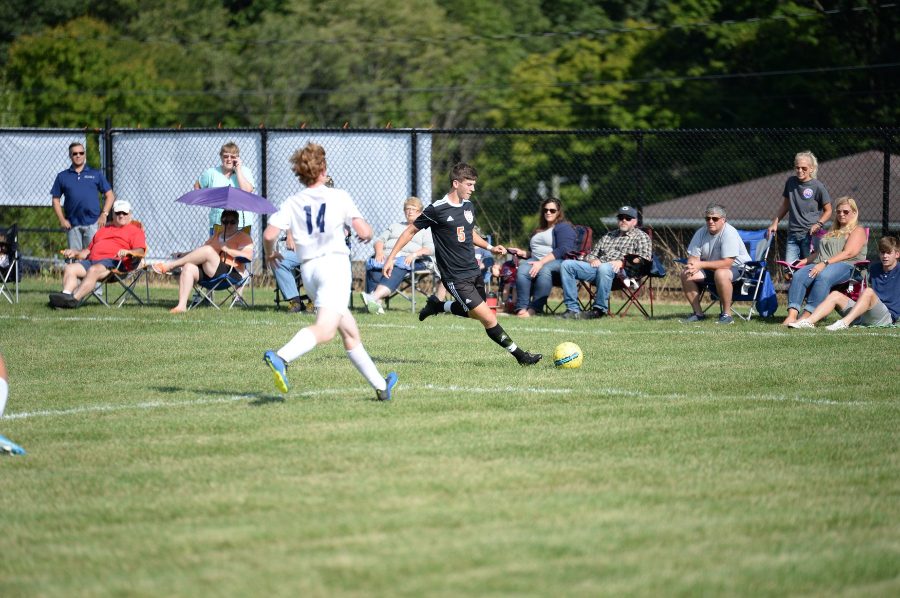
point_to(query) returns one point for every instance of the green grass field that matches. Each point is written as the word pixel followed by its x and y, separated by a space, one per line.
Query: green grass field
pixel 679 460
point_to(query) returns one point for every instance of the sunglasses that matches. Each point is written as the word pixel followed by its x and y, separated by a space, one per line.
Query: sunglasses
pixel 624 217
pixel 121 213
pixel 844 211
pixel 712 218
pixel 229 221
pixel 77 153
pixel 550 211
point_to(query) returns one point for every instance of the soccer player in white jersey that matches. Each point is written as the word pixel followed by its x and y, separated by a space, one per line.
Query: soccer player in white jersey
pixel 315 219
pixel 7 446
pixel 452 223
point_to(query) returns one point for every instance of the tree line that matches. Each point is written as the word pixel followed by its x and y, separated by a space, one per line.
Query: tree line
pixel 521 64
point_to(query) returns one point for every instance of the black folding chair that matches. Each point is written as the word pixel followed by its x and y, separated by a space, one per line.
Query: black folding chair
pixel 9 263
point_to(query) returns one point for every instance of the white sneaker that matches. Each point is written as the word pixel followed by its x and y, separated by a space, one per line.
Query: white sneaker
pixel 839 325
pixel 801 324
pixel 98 289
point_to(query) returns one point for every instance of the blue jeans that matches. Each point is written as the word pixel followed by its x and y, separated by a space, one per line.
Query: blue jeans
pixel 538 287
pixel 797 246
pixel 818 287
pixel 374 277
pixel 602 276
pixel 284 275
pixel 79 237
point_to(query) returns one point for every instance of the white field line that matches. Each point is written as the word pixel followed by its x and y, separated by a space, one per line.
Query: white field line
pixel 500 391
pixel 685 329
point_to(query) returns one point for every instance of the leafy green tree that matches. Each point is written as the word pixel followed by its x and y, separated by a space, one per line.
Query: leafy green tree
pixel 72 75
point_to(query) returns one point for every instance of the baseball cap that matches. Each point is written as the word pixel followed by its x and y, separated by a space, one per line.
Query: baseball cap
pixel 627 211
pixel 122 205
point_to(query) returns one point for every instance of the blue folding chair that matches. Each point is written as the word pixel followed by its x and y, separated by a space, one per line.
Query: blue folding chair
pixel 754 283
pixel 230 283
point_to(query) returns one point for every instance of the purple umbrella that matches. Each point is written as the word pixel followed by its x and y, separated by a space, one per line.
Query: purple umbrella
pixel 228 198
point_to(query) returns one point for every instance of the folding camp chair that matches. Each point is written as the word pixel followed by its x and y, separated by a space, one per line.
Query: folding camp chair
pixel 298 280
pixel 584 242
pixel 230 283
pixel 127 274
pixel 411 285
pixel 754 283
pixel 641 272
pixel 9 263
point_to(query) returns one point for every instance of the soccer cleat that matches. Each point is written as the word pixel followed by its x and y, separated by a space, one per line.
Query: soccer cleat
pixel 279 369
pixel 801 324
pixel 529 358
pixel 432 307
pixel 8 447
pixel 391 382
pixel 694 318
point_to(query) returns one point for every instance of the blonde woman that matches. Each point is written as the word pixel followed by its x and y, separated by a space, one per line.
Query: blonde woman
pixel 830 264
pixel 807 203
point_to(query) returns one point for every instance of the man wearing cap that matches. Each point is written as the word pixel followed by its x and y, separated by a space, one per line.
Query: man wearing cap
pixel 717 254
pixel 601 265
pixel 82 187
pixel 121 241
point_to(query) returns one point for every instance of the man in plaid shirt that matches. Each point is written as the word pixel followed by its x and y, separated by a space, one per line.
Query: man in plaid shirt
pixel 606 260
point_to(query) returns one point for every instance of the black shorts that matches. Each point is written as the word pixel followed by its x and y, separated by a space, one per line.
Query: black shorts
pixel 469 293
pixel 223 268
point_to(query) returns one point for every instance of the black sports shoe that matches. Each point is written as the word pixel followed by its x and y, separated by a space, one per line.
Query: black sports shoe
pixel 593 314
pixel 570 315
pixel 63 301
pixel 529 358
pixel 432 307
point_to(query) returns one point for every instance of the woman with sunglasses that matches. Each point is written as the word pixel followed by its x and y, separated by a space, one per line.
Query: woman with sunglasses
pixel 214 258
pixel 828 265
pixel 552 240
pixel 807 201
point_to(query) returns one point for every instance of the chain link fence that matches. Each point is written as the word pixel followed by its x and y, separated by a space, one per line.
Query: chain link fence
pixel 668 175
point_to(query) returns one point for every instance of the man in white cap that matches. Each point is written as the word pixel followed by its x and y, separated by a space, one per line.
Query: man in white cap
pixel 121 241
pixel 606 260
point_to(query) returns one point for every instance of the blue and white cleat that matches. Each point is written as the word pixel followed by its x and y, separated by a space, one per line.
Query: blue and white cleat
pixel 391 381
pixel 279 369
pixel 9 447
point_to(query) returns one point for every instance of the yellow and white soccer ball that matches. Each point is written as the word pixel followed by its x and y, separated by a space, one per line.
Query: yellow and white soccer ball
pixel 568 356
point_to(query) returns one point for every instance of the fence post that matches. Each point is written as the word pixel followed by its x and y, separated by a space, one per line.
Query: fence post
pixel 264 186
pixel 886 182
pixel 414 155
pixel 640 177
pixel 108 164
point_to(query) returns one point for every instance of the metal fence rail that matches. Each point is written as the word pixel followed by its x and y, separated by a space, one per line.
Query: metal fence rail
pixel 668 175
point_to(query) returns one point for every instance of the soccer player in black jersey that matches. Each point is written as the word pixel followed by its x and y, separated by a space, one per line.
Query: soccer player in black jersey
pixel 452 223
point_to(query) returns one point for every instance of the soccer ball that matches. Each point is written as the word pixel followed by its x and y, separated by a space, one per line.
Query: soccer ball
pixel 567 355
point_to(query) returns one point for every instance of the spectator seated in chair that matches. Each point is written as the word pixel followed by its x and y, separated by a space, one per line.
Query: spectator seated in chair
pixel 716 254
pixel 603 264
pixel 878 305
pixel 831 263
pixel 122 241
pixel 380 287
pixel 217 257
pixel 551 241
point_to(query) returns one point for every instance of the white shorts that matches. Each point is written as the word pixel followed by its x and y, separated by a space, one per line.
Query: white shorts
pixel 327 281
pixel 877 316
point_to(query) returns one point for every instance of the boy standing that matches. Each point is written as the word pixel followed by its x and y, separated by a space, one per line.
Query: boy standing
pixel 452 223
pixel 315 219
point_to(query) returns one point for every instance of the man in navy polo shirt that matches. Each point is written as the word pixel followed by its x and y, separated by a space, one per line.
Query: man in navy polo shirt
pixel 82 186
